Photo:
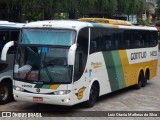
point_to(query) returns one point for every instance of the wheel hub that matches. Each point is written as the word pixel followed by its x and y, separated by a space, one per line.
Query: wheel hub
pixel 3 92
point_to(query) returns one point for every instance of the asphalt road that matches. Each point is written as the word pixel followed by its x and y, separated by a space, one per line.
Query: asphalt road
pixel 129 99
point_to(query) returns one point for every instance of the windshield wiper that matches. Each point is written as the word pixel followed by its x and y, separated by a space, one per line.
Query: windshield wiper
pixel 45 65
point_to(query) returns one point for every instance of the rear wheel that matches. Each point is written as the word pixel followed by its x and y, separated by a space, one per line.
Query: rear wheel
pixel 93 96
pixel 144 82
pixel 5 93
pixel 146 78
pixel 140 81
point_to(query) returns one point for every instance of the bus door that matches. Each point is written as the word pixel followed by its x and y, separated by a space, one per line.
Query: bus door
pixel 80 63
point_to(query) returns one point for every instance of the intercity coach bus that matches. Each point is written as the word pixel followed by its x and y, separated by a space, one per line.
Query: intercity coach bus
pixel 67 62
pixel 9 31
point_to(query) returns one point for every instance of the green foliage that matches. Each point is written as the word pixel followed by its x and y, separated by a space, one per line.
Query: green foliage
pixel 144 22
pixel 51 9
pixel 158 23
pixel 158 9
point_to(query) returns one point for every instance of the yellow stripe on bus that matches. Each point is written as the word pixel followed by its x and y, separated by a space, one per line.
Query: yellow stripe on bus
pixel 95 67
pixel 55 86
pixel 131 71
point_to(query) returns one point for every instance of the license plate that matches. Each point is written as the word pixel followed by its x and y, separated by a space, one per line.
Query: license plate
pixel 37 99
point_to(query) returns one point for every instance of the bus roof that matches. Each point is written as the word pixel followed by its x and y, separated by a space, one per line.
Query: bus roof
pixel 11 24
pixel 107 21
pixel 78 24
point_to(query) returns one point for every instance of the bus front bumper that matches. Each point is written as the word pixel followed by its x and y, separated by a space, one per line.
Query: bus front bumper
pixel 43 98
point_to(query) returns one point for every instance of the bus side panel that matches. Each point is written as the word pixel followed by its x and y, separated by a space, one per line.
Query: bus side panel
pixel 7 65
pixel 132 66
pixel 95 71
pixel 130 72
pixel 97 65
pixel 153 68
pixel 114 68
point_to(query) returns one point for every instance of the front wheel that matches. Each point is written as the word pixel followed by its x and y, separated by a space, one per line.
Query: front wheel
pixel 5 93
pixel 92 97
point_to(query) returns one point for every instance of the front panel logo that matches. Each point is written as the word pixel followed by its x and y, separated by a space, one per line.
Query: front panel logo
pixel 38 90
pixel 80 93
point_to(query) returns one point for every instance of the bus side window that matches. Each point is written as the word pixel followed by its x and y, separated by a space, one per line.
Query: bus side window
pixel 136 39
pixel 14 36
pixel 93 46
pixel 141 38
pixel 116 39
pixel 107 39
pixel 81 53
pixel 96 38
pixel 127 39
pixel 146 33
pixel 153 38
pixel 4 38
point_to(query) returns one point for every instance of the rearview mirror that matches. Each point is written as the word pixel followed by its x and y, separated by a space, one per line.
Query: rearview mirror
pixel 71 54
pixel 5 50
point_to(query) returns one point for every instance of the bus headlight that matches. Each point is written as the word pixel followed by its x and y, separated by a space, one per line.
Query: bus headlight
pixel 62 92
pixel 18 88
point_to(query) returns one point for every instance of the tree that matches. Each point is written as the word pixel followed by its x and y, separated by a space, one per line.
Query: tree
pixel 85 7
pixel 140 7
pixel 48 9
pixel 11 8
pixel 108 7
pixel 131 7
pixel 158 9
pixel 122 6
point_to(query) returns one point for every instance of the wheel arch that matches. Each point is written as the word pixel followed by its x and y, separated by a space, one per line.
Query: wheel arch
pixel 7 79
pixel 141 70
pixel 96 82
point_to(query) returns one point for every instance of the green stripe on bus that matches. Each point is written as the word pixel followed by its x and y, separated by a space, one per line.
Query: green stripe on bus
pixel 97 25
pixel 46 86
pixel 111 70
pixel 106 25
pixel 119 69
pixel 38 86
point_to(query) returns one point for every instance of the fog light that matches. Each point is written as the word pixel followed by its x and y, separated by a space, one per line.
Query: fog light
pixel 16 96
pixel 66 100
pixel 18 88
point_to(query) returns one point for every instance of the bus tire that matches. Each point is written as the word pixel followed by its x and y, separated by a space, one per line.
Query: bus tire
pixel 145 78
pixel 94 91
pixel 144 82
pixel 140 79
pixel 5 93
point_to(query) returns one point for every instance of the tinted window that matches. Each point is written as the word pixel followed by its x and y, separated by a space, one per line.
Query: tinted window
pixel 108 36
pixel 113 39
pixel 127 39
pixel 14 35
pixel 153 38
pixel 96 40
pixel 81 53
pixel 4 36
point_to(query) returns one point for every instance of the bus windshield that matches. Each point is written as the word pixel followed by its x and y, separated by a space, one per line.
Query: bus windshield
pixel 48 37
pixel 43 64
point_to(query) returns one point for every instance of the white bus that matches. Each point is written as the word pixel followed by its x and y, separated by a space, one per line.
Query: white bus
pixel 9 31
pixel 67 62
